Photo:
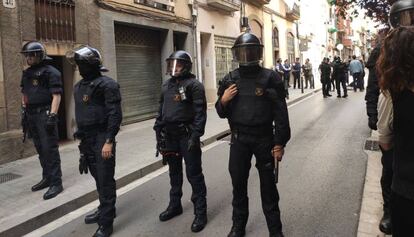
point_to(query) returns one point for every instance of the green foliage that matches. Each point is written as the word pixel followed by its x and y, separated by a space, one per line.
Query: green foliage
pixel 377 10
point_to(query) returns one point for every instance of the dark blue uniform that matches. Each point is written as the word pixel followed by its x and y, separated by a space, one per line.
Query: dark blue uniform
pixel 182 118
pixel 98 116
pixel 39 82
pixel 259 120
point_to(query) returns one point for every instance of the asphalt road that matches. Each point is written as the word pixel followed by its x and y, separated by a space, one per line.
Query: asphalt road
pixel 321 182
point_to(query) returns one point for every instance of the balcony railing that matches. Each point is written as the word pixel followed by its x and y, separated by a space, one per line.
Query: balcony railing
pixel 257 2
pixel 294 13
pixel 226 5
pixel 164 5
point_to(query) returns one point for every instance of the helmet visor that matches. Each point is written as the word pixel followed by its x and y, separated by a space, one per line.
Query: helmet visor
pixel 81 53
pixel 175 67
pixel 404 18
pixel 248 55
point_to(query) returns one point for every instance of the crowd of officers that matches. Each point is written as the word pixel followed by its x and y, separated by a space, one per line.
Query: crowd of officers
pixel 335 75
pixel 251 98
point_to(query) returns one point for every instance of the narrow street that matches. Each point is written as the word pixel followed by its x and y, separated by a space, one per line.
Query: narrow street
pixel 321 182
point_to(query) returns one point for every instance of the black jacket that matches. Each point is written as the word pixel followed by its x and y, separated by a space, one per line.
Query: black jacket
pixel 174 108
pixel 39 83
pixel 98 104
pixel 373 91
pixel 256 113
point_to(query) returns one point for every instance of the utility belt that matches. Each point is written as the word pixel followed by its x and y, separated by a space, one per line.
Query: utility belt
pixel 37 108
pixel 177 129
pixel 89 130
pixel 260 130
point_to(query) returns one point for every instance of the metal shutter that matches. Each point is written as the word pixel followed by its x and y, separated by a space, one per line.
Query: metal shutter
pixel 138 58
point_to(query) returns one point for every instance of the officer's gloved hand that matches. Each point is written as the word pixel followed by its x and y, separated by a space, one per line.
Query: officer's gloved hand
pixel 83 164
pixel 51 122
pixel 372 123
pixel 193 143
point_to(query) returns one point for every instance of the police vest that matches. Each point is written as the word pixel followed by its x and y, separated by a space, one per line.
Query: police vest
pixel 251 107
pixel 90 103
pixel 178 101
pixel 35 84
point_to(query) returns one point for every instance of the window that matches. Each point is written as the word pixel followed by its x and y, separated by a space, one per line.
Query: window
pixel 256 28
pixel 291 47
pixel 55 20
pixel 224 56
pixel 276 39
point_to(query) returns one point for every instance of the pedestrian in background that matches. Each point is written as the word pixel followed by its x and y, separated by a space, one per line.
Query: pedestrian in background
pixel 325 71
pixel 42 89
pixel 396 122
pixel 286 67
pixel 307 72
pixel 252 99
pixel 98 116
pixel 296 70
pixel 356 68
pixel 180 123
pixel 339 73
pixel 280 72
pixel 362 78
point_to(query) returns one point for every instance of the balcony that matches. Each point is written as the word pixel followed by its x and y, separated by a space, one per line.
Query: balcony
pixel 294 13
pixel 258 3
pixel 225 5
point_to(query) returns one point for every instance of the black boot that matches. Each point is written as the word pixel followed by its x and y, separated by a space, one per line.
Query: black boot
pixel 104 231
pixel 237 232
pixel 41 185
pixel 53 191
pixel 92 218
pixel 170 213
pixel 200 221
pixel 277 234
pixel 385 225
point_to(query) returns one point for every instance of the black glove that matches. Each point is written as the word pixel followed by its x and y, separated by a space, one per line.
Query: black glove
pixel 51 122
pixel 372 123
pixel 193 143
pixel 83 164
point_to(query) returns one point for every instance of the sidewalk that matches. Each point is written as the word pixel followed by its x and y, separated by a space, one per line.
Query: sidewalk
pixel 371 207
pixel 22 210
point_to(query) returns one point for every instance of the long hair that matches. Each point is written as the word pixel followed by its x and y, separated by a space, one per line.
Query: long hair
pixel 395 65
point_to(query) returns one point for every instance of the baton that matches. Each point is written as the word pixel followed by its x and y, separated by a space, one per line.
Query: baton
pixel 276 172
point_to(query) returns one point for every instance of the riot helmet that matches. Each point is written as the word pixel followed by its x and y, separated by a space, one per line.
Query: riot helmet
pixel 247 50
pixel 179 64
pixel 85 55
pixel 402 13
pixel 34 52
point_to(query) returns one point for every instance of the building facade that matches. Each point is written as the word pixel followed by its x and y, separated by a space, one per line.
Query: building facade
pixel 135 37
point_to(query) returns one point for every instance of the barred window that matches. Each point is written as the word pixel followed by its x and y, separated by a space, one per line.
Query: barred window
pixel 55 20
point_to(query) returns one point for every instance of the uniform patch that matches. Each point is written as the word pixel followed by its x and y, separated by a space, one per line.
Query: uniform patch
pixel 35 82
pixel 177 98
pixel 259 91
pixel 85 98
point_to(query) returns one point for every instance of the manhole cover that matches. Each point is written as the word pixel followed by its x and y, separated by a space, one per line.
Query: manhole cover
pixel 371 145
pixel 8 177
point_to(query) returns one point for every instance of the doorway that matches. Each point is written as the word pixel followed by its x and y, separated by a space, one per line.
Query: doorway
pixel 57 62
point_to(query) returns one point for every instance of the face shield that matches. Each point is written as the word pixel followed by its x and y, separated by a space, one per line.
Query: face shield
pixel 33 58
pixel 403 18
pixel 175 67
pixel 83 54
pixel 248 54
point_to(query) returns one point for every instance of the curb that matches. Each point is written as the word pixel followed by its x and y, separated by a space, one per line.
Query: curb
pixel 59 211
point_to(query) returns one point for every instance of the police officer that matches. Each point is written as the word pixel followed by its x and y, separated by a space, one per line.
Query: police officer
pixel 339 75
pixel 179 125
pixel 98 117
pixel 325 70
pixel 401 14
pixel 252 98
pixel 42 88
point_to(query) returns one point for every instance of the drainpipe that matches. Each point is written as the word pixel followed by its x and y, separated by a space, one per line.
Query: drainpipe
pixel 193 6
